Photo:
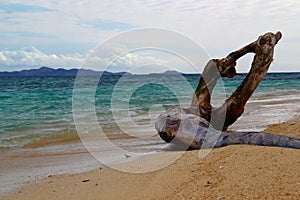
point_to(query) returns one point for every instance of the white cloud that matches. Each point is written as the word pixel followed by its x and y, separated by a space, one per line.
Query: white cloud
pixel 32 57
pixel 219 26
pixel 116 58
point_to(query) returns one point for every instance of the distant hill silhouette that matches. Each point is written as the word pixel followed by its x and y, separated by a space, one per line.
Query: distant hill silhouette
pixel 49 72
pixel 172 72
pixel 169 72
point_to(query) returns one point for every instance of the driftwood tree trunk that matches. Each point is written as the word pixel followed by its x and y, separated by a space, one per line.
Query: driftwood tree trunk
pixel 200 125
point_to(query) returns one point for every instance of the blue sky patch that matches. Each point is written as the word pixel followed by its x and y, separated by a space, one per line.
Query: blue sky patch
pixel 12 8
pixel 110 25
pixel 32 34
pixel 24 34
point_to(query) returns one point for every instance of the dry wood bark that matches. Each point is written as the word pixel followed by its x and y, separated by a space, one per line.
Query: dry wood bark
pixel 193 124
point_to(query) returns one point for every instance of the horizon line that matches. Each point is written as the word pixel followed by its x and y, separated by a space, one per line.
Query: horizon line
pixel 150 73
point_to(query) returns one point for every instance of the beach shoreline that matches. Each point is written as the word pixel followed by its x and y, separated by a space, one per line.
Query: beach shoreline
pixel 233 172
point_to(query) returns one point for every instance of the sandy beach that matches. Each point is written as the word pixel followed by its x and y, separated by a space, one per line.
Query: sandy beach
pixel 233 172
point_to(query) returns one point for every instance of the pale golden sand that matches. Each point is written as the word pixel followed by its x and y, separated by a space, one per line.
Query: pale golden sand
pixel 234 172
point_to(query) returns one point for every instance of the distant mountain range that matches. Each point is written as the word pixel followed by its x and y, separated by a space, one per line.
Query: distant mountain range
pixel 49 72
pixel 170 72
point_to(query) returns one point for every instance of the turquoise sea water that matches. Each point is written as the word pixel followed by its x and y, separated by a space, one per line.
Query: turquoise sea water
pixel 38 132
pixel 35 109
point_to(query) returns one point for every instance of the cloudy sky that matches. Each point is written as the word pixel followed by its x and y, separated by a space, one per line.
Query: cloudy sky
pixel 62 33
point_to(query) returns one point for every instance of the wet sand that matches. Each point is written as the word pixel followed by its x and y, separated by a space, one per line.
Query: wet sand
pixel 233 172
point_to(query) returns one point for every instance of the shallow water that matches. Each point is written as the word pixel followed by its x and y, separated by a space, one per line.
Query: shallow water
pixel 35 109
pixel 37 117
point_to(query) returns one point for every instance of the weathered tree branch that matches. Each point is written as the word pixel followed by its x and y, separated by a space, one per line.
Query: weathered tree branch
pixel 191 125
pixel 225 67
pixel 234 106
pixel 179 127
